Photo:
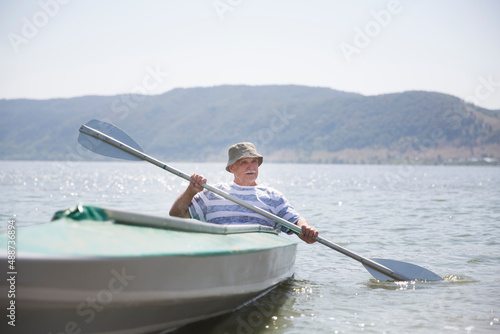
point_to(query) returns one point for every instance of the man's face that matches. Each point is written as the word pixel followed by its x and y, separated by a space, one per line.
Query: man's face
pixel 245 171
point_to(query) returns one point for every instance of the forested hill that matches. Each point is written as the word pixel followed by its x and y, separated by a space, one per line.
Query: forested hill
pixel 287 123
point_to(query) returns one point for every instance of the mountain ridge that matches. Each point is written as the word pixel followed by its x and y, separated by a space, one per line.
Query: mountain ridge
pixel 288 123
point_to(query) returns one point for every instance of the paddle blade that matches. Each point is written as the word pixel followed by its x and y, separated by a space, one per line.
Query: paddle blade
pixel 103 148
pixel 409 270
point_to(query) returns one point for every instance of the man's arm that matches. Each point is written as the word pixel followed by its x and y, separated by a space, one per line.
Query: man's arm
pixel 309 233
pixel 180 208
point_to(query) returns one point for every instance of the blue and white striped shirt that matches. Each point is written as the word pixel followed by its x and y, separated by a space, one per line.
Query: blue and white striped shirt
pixel 209 207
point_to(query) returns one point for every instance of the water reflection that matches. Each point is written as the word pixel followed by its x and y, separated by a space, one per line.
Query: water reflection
pixel 417 284
pixel 260 315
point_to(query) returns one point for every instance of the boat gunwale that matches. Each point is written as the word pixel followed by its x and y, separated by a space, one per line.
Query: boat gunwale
pixel 183 224
pixel 124 217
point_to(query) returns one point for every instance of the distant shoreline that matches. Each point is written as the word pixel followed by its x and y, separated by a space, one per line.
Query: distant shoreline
pixel 459 162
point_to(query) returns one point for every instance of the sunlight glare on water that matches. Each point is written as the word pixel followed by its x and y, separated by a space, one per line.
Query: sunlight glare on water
pixel 443 218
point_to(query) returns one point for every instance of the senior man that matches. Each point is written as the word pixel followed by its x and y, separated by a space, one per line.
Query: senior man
pixel 243 163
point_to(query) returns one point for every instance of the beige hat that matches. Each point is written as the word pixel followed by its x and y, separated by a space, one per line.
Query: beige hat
pixel 241 151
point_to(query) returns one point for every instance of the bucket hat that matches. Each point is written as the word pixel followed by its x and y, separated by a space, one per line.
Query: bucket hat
pixel 241 151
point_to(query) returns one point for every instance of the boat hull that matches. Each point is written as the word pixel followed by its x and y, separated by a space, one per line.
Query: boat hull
pixel 144 292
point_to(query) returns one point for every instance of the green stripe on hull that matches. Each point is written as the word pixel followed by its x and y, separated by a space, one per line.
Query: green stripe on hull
pixel 90 235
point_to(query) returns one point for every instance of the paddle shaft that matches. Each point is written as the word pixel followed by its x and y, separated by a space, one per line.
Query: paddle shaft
pixel 141 155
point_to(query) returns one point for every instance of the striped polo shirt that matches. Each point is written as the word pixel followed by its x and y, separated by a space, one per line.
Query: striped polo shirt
pixel 210 207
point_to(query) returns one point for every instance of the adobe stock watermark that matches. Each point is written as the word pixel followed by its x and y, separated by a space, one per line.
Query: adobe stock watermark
pixel 264 310
pixel 484 90
pixel 32 25
pixel 221 7
pixel 121 107
pixel 150 83
pixel 453 120
pixel 423 148
pixel 278 121
pixel 363 37
pixel 87 309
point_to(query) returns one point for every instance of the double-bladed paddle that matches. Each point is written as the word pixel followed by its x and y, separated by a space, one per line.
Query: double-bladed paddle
pixel 108 140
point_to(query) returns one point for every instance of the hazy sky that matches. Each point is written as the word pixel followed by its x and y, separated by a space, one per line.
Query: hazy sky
pixel 64 48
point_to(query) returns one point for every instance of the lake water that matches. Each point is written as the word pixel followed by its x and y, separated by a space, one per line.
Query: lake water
pixel 444 218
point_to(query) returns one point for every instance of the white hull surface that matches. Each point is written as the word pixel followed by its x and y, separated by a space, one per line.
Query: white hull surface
pixel 104 277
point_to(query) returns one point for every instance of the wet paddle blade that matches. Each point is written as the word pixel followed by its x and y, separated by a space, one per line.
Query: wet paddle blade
pixel 409 270
pixel 103 148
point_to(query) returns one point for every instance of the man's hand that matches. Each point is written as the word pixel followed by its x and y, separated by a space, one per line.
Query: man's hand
pixel 309 233
pixel 180 208
pixel 196 182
